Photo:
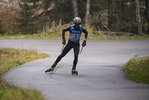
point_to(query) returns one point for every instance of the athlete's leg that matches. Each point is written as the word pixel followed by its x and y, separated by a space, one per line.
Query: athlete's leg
pixel 76 53
pixel 65 51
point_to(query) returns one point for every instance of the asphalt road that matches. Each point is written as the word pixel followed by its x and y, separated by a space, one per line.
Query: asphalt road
pixel 100 68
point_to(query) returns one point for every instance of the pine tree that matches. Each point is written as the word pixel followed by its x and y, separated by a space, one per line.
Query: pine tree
pixel 2 27
pixel 56 11
pixel 26 17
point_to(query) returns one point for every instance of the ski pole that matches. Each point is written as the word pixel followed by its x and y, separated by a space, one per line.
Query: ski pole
pixel 62 49
pixel 81 49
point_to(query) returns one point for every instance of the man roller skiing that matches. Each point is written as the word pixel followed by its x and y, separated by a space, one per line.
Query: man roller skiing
pixel 75 31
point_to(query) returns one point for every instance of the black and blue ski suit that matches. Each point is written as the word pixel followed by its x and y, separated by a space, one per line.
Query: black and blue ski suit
pixel 73 42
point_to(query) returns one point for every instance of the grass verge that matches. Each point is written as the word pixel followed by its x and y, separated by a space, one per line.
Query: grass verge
pixel 10 58
pixel 58 35
pixel 137 69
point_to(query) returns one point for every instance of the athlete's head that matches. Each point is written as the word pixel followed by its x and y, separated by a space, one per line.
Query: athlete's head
pixel 77 21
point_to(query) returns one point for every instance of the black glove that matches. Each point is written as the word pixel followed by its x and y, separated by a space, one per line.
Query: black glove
pixel 84 43
pixel 63 41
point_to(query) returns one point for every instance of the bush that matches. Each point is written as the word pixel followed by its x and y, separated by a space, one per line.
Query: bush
pixel 2 27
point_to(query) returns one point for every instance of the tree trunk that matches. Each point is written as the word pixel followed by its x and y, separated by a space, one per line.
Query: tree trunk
pixel 75 8
pixel 109 14
pixel 87 11
pixel 148 9
pixel 138 17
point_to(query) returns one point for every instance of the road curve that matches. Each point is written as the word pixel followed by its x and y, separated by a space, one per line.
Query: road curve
pixel 100 68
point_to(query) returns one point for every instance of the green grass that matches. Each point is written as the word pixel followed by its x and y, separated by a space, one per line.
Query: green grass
pixel 10 58
pixel 137 69
pixel 56 33
pixel 59 36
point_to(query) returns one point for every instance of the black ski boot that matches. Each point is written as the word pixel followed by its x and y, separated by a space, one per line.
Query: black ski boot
pixel 50 69
pixel 74 72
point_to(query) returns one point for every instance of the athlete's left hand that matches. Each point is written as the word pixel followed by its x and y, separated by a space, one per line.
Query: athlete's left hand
pixel 63 41
pixel 84 43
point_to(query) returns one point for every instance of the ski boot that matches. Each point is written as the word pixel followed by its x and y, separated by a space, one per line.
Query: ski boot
pixel 74 72
pixel 50 69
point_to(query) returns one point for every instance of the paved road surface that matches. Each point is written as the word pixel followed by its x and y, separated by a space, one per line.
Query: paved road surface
pixel 100 68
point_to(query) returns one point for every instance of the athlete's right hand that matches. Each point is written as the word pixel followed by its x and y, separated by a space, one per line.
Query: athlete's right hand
pixel 84 43
pixel 63 41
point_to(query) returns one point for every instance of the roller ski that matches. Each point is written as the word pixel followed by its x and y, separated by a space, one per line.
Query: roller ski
pixel 50 69
pixel 74 72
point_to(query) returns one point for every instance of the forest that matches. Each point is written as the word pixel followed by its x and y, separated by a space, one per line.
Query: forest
pixel 36 16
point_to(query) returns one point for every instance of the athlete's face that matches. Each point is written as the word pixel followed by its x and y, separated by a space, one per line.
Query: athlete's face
pixel 77 25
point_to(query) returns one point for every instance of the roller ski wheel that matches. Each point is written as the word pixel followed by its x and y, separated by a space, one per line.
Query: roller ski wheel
pixel 74 72
pixel 49 70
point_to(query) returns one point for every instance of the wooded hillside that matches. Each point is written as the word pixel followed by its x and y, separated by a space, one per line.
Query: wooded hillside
pixel 35 16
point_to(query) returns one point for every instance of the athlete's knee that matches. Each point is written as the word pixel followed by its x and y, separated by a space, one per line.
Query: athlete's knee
pixel 76 57
pixel 61 56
